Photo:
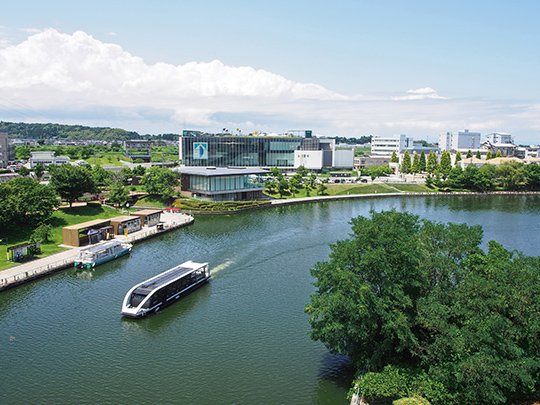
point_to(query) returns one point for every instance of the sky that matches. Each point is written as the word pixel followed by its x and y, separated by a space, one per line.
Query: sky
pixel 341 68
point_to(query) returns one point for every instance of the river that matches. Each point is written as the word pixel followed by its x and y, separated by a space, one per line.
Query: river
pixel 240 339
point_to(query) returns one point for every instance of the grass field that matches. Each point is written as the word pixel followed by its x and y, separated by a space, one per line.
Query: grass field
pixel 414 188
pixel 107 159
pixel 60 218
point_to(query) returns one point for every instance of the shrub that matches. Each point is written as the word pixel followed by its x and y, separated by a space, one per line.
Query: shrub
pixel 411 401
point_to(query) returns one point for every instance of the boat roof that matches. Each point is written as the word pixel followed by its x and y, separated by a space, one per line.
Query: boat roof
pixel 166 277
pixel 101 246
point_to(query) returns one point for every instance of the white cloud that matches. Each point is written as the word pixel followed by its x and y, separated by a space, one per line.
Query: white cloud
pixel 78 79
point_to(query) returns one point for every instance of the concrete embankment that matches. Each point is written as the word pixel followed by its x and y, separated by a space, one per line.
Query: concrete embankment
pixel 35 269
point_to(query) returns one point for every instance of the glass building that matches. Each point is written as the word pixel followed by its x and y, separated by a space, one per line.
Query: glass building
pixel 222 184
pixel 227 151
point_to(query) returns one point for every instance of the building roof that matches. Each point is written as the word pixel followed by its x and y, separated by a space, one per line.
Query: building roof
pixel 89 224
pixel 146 212
pixel 221 171
pixel 498 161
pixel 122 218
pixel 473 161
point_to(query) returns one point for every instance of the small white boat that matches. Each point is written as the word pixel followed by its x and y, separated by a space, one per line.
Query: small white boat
pixel 91 257
pixel 164 289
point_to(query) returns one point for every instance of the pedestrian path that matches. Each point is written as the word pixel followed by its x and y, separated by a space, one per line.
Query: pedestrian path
pixel 34 269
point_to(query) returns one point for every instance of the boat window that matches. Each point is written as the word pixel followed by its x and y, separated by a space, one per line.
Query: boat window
pixel 136 299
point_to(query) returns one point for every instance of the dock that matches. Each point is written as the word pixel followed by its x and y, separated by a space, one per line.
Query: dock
pixel 44 266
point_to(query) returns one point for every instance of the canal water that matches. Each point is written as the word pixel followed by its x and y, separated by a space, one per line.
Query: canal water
pixel 240 339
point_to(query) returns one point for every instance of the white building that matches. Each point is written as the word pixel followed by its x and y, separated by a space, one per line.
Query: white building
pixel 385 145
pixel 498 137
pixel 47 158
pixel 462 141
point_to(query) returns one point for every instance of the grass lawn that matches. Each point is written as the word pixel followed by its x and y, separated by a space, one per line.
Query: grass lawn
pixel 153 201
pixel 414 188
pixel 108 159
pixel 345 189
pixel 60 218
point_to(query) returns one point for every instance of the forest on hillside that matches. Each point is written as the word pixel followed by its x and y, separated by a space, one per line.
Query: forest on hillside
pixel 72 132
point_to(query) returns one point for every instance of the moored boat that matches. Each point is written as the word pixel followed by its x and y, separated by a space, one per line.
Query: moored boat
pixel 103 252
pixel 164 289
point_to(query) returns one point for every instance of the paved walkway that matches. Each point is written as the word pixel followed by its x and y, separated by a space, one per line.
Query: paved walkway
pixel 31 270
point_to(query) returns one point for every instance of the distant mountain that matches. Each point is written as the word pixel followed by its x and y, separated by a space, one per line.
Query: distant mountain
pixel 71 132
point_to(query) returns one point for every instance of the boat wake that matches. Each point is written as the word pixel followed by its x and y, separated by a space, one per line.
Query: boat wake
pixel 220 267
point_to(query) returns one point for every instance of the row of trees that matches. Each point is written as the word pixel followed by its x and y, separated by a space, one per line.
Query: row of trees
pixel 420 163
pixel 282 186
pixel 58 131
pixel 506 176
pixel 419 301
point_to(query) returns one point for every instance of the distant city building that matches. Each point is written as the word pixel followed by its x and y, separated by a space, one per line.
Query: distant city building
pixel 285 152
pixel 385 145
pixel 47 158
pixel 462 141
pixel 138 149
pixel 498 137
pixel 7 150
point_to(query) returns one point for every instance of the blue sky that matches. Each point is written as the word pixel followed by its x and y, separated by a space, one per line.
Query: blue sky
pixel 347 68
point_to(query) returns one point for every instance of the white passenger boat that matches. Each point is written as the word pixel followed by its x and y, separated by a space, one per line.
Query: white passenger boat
pixel 103 252
pixel 164 289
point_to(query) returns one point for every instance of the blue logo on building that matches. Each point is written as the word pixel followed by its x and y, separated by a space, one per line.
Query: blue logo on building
pixel 200 150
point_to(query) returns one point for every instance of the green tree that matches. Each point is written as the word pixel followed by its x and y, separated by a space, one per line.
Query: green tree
pixel 139 170
pixel 478 155
pixel 394 158
pixel 406 164
pixel 159 181
pixel 422 162
pixel 458 157
pixel 101 176
pixel 118 193
pixel 321 188
pixel 432 162
pixel 511 176
pixel 404 291
pixel 282 187
pixel 415 168
pixel 532 172
pixel 23 171
pixel 71 182
pixel 39 170
pixel 446 164
pixel 25 201
pixel 499 154
pixel 488 155
pixel 469 154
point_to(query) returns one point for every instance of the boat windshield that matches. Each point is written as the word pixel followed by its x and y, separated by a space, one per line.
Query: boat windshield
pixel 136 299
pixel 86 255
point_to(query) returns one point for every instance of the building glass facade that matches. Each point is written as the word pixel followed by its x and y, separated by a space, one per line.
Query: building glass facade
pixel 226 151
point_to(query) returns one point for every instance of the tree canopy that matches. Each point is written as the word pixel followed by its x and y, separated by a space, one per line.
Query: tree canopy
pixel 71 182
pixel 25 201
pixel 159 181
pixel 415 293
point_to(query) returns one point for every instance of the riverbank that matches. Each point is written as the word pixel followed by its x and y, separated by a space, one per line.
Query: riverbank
pixel 44 266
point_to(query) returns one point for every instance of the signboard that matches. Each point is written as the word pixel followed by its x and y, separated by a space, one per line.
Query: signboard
pixel 200 150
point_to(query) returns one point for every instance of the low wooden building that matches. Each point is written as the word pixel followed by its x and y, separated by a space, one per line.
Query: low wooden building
pixel 125 223
pixel 148 217
pixel 87 232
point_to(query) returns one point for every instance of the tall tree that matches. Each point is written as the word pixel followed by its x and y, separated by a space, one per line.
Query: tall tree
pixel 432 162
pixel 415 165
pixel 446 164
pixel 118 193
pixel 499 153
pixel 489 155
pixel 394 158
pixel 478 155
pixel 458 157
pixel 71 182
pixel 422 162
pixel 406 163
pixel 469 154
